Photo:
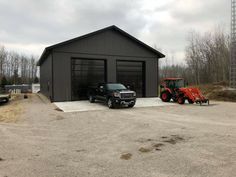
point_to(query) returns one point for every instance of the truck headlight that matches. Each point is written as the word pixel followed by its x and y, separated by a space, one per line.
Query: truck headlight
pixel 134 93
pixel 116 94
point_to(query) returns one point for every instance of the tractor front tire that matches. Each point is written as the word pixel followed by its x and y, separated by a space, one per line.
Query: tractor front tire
pixel 190 101
pixel 165 96
pixel 181 100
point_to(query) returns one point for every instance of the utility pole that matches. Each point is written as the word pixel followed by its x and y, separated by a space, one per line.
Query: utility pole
pixel 232 76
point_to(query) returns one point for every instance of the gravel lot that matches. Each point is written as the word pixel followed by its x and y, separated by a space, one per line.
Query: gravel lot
pixel 170 141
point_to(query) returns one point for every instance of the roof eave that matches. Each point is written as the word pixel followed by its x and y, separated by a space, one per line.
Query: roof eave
pixel 43 56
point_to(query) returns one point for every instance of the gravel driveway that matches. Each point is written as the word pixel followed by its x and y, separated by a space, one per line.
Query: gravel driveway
pixel 168 141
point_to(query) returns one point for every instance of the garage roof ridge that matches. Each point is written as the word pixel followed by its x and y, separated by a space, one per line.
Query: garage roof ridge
pixel 48 49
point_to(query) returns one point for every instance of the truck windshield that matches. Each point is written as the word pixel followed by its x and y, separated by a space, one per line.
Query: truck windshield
pixel 115 87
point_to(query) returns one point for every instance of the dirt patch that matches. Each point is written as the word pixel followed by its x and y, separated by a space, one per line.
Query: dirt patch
pixel 11 111
pixel 60 118
pixel 174 139
pixel 144 140
pixel 158 145
pixel 1 159
pixel 144 150
pixel 80 150
pixel 126 156
pixel 164 137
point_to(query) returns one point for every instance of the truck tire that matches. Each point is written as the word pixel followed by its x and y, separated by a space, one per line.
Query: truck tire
pixel 6 100
pixel 165 96
pixel 110 103
pixel 91 99
pixel 131 105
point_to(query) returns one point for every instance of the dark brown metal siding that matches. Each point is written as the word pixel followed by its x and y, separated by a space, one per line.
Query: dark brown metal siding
pixel 46 77
pixel 110 46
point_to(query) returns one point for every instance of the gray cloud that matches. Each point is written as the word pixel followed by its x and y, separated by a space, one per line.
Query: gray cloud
pixel 31 25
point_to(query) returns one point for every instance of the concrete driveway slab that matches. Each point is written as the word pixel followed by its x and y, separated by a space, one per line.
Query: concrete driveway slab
pixel 78 106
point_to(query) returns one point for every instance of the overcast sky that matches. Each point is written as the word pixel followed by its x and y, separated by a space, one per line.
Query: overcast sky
pixel 29 26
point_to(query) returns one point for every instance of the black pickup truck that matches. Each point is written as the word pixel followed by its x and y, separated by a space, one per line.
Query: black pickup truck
pixel 114 94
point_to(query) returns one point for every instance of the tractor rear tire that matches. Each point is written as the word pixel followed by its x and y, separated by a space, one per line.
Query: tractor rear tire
pixel 181 100
pixel 165 96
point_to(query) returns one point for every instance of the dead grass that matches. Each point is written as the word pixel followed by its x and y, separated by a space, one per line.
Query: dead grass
pixel 10 112
pixel 218 91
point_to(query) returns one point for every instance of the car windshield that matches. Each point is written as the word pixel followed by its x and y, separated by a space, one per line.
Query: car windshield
pixel 116 87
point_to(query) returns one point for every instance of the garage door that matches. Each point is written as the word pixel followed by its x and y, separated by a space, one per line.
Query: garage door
pixel 131 74
pixel 85 73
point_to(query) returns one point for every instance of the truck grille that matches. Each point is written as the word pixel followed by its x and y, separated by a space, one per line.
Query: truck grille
pixel 127 95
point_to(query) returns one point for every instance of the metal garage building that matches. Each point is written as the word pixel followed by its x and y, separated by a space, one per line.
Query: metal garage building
pixel 107 55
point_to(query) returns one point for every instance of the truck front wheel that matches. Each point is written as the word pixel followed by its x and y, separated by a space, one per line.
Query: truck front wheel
pixel 131 105
pixel 110 103
pixel 91 99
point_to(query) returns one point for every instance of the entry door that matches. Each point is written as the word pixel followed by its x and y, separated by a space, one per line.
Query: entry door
pixel 131 74
pixel 86 73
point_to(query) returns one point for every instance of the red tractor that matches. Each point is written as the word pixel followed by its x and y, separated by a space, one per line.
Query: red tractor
pixel 174 88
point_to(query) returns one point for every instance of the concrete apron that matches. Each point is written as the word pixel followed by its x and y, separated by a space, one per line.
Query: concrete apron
pixel 78 106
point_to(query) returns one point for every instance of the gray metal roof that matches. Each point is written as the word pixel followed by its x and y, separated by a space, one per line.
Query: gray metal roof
pixel 47 50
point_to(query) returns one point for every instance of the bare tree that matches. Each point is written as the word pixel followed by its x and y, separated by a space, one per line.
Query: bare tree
pixel 3 55
pixel 208 56
pixel 207 59
pixel 16 68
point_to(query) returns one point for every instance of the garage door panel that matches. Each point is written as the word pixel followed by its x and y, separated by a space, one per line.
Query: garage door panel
pixel 129 63
pixel 88 62
pixel 87 67
pixel 86 72
pixel 132 74
pixel 83 73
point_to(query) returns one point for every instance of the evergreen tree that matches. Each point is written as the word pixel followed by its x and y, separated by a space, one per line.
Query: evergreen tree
pixel 36 80
pixel 3 82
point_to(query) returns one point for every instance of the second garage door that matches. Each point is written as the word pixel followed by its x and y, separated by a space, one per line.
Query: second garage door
pixel 131 73
pixel 85 73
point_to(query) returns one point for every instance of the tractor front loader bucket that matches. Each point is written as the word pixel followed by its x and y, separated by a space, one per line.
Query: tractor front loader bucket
pixel 195 95
pixel 201 102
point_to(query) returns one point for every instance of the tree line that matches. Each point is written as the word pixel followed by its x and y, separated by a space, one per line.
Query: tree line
pixel 207 58
pixel 17 68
